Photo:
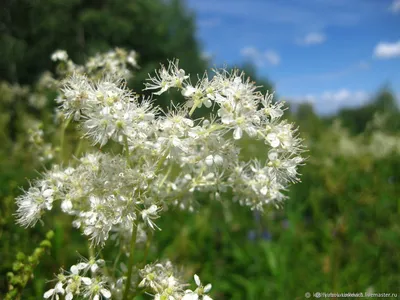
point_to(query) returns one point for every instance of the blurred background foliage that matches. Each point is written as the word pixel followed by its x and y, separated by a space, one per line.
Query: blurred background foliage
pixel 338 232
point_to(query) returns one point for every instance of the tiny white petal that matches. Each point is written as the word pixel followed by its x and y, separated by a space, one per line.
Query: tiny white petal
pixel 66 206
pixel 189 91
pixel 237 134
pixel 207 103
pixel 48 193
pixel 197 280
pixel 190 296
pixel 87 280
pixel 207 288
pixel 94 268
pixel 264 190
pixel 106 293
pixel 69 296
pixel 209 160
pixel 273 155
pixel 275 143
pixel 226 119
pixel 251 131
pixel 48 293
pixel 81 265
pixel 74 270
pixel 218 159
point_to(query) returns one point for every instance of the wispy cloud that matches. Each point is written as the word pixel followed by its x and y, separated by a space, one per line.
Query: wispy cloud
pixel 312 38
pixel 344 96
pixel 395 7
pixel 207 56
pixel 209 22
pixel 361 66
pixel 387 50
pixel 341 96
pixel 309 15
pixel 261 58
pixel 272 57
pixel 329 101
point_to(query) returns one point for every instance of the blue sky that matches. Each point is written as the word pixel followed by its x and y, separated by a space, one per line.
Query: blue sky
pixel 334 53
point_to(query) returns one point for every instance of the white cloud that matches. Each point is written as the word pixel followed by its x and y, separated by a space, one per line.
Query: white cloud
pixel 331 101
pixel 395 7
pixel 208 56
pixel 344 96
pixel 249 51
pixel 260 58
pixel 363 65
pixel 313 38
pixel 305 15
pixel 311 79
pixel 272 57
pixel 209 22
pixel 387 50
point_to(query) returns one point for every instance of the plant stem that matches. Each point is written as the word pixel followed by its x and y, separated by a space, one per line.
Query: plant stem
pixel 193 109
pixel 130 264
pixel 90 250
pixel 161 161
pixel 62 137
pixel 106 271
pixel 78 148
pixel 143 263
pixel 127 154
pixel 148 243
pixel 117 259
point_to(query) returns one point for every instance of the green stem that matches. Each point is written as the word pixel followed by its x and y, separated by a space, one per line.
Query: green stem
pixel 117 259
pixel 215 127
pixel 78 148
pixel 127 154
pixel 193 108
pixel 161 162
pixel 62 137
pixel 90 250
pixel 146 250
pixel 106 271
pixel 130 264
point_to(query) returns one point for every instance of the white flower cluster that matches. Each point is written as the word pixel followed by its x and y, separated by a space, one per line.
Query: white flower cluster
pixel 166 158
pixel 161 279
pixel 85 279
pixel 377 143
pixel 117 62
pixel 44 151
pixel 103 193
pixel 106 191
pixel 106 108
pixel 88 279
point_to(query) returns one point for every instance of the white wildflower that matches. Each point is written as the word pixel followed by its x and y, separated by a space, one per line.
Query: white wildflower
pixel 59 55
pixel 167 78
pixel 54 293
pixel 199 293
pixel 149 214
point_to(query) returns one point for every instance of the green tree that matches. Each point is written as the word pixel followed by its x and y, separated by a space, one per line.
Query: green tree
pixel 357 119
pixel 32 29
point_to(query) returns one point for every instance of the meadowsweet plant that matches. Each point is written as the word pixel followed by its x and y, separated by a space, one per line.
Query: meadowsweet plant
pixel 165 158
pixel 23 268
